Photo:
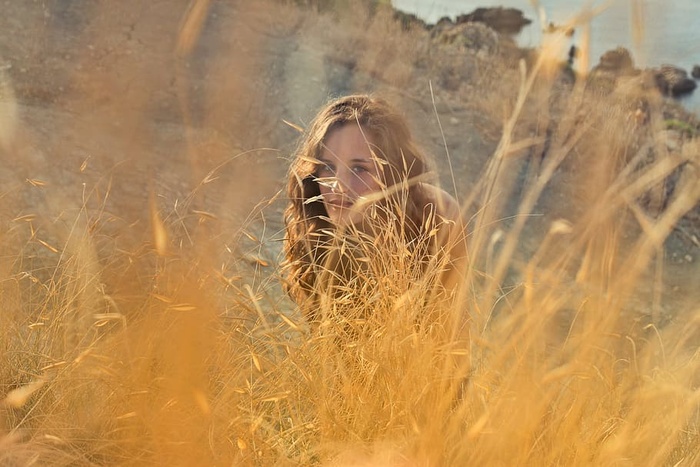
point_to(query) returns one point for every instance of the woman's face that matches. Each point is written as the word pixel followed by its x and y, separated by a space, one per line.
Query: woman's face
pixel 347 171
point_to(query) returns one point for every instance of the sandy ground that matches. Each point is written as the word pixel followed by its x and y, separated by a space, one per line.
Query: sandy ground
pixel 121 101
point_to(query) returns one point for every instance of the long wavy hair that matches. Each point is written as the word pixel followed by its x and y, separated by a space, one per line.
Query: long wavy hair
pixel 402 166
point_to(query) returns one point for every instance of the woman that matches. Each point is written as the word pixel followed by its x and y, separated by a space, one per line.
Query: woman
pixel 360 206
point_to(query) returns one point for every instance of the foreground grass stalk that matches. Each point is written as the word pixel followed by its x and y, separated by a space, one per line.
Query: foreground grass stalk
pixel 167 340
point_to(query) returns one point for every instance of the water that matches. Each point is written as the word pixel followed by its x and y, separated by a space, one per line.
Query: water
pixel 670 33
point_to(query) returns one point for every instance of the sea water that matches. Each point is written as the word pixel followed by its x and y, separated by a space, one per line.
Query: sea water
pixel 669 32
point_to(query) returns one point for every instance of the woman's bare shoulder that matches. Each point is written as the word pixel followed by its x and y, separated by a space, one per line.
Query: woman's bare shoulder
pixel 446 205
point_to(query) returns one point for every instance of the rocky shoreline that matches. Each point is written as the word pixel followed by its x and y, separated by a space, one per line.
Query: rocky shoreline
pixel 671 80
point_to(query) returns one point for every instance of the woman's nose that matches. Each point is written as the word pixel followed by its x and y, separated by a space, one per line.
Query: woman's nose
pixel 341 183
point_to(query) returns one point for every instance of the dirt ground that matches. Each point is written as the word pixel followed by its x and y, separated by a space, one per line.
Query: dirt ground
pixel 119 101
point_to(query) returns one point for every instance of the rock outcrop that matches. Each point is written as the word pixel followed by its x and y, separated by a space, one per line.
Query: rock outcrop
pixel 618 62
pixel 502 20
pixel 696 72
pixel 472 37
pixel 673 81
pixel 669 79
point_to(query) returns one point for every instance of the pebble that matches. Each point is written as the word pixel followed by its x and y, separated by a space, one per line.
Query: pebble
pixel 688 258
pixel 672 139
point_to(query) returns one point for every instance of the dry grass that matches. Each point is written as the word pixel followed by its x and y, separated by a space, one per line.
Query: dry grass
pixel 173 352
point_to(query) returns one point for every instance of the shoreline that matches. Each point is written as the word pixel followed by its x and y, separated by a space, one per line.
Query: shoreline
pixel 673 81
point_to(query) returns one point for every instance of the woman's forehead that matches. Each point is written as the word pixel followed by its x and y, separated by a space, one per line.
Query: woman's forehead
pixel 349 141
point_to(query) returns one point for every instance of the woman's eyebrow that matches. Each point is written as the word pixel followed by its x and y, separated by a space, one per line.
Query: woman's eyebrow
pixel 355 160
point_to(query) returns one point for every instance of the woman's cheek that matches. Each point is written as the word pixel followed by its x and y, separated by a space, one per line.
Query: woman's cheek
pixel 367 185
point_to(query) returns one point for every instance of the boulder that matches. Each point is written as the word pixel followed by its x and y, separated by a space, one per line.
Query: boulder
pixel 618 61
pixel 696 72
pixel 468 37
pixel 459 49
pixel 673 81
pixel 612 65
pixel 502 20
pixel 444 22
pixel 409 20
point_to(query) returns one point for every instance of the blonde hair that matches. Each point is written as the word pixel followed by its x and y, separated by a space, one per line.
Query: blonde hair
pixel 306 220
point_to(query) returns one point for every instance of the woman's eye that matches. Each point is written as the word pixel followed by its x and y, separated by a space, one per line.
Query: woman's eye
pixel 359 169
pixel 325 170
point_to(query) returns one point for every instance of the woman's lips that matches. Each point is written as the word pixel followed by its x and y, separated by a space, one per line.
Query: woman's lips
pixel 339 203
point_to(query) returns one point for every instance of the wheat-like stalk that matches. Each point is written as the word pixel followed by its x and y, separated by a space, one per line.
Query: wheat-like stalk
pixel 168 340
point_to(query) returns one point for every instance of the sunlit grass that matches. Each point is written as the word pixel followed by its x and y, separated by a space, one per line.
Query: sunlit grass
pixel 177 345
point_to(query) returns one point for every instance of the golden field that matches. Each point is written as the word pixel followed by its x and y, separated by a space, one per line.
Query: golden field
pixel 142 317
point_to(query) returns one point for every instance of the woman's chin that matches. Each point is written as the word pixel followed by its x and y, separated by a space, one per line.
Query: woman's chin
pixel 344 217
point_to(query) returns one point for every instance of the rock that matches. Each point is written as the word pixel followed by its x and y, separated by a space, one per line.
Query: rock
pixel 673 81
pixel 456 69
pixel 696 72
pixel 502 20
pixel 473 37
pixel 618 61
pixel 672 138
pixel 612 65
pixel 409 20
pixel 445 21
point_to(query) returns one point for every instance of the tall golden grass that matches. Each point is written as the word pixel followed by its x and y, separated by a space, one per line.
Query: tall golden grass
pixel 182 349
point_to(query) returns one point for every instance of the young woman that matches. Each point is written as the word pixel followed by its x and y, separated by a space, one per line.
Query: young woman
pixel 361 206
